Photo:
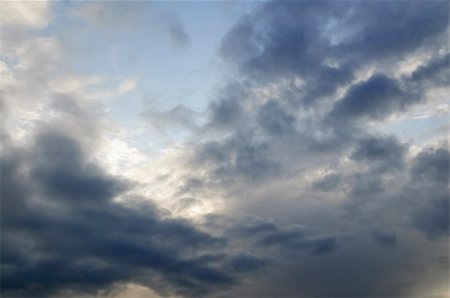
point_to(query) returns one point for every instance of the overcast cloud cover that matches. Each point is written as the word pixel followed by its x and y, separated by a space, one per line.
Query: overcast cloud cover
pixel 243 149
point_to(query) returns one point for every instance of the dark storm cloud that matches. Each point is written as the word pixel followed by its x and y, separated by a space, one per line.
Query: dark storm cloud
pixel 435 71
pixel 429 184
pixel 324 43
pixel 384 238
pixel 269 235
pixel 304 52
pixel 244 262
pixel 297 240
pixel 251 226
pixel 365 185
pixel 275 120
pixel 294 57
pixel 60 169
pixel 380 34
pixel 328 183
pixel 320 43
pixel 236 158
pixel 387 151
pixel 433 218
pixel 62 230
pixel 279 39
pixel 302 38
pixel 375 99
pixel 431 167
pixel 418 191
pixel 79 239
pixel 227 111
pixel 286 39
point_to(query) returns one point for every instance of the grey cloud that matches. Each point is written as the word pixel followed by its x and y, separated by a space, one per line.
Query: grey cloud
pixel 381 35
pixel 416 193
pixel 61 228
pixel 275 120
pixel 433 218
pixel 178 35
pixel 325 42
pixel 384 238
pixel 435 70
pixel 305 52
pixel 128 16
pixel 431 166
pixel 236 157
pixel 429 185
pixel 117 15
pixel 387 151
pixel 290 40
pixel 227 110
pixel 69 105
pixel 375 98
pixel 250 226
pixel 282 40
pixel 279 38
pixel 179 117
pixel 269 235
pixel 79 239
pixel 244 262
pixel 296 239
pixel 61 170
pixel 328 183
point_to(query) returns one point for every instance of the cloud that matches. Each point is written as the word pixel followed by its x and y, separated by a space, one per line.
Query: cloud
pixel 386 150
pixel 267 234
pixel 236 158
pixel 375 99
pixel 227 110
pixel 61 171
pixel 25 14
pixel 298 192
pixel 244 263
pixel 115 15
pixel 311 94
pixel 435 70
pixel 384 238
pixel 121 17
pixel 430 175
pixel 80 239
pixel 327 183
pixel 178 117
pixel 127 85
pixel 275 120
pixel 178 36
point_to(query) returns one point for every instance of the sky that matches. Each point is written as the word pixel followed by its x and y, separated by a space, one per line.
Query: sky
pixel 224 149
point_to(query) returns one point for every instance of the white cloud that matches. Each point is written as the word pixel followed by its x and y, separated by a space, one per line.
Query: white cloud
pixel 441 109
pixel 127 85
pixel 109 15
pixel 130 290
pixel 27 14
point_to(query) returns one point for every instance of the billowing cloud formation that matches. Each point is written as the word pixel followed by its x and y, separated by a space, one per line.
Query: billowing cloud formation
pixel 62 231
pixel 299 178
